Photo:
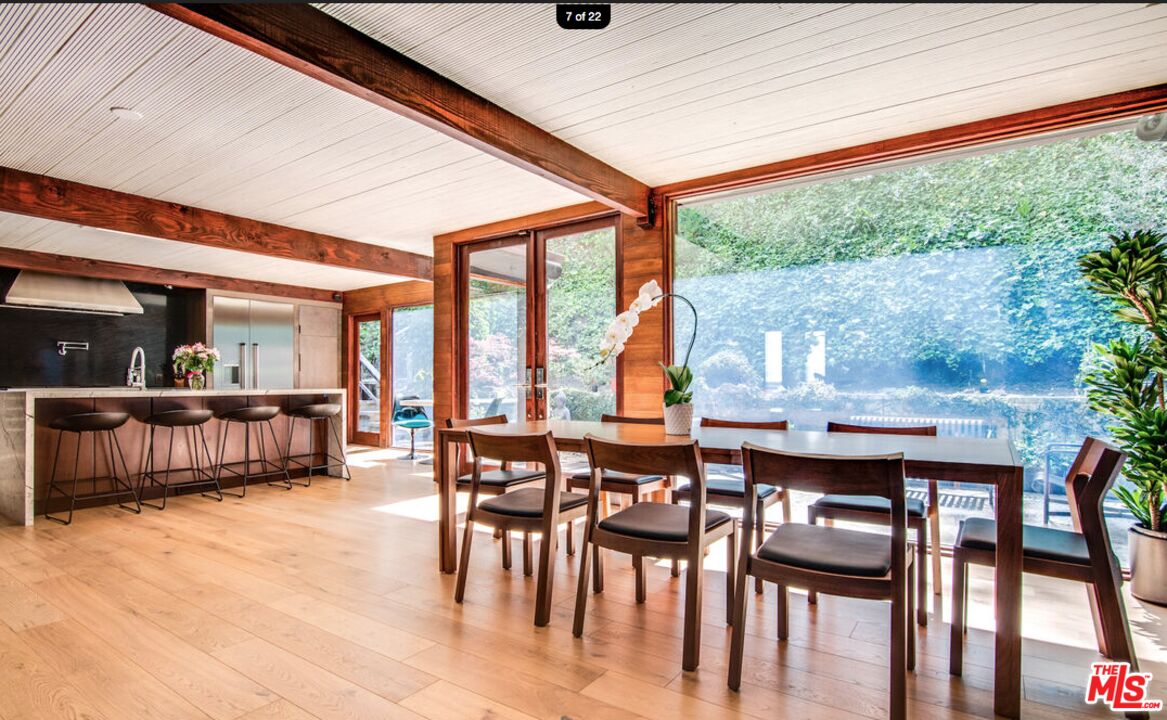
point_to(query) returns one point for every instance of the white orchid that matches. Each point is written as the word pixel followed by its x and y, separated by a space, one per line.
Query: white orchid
pixel 618 333
pixel 648 297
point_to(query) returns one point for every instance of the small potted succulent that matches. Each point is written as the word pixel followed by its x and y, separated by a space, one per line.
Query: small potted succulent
pixel 1126 383
pixel 678 399
pixel 192 363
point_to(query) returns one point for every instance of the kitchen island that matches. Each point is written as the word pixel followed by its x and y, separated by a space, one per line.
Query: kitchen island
pixel 27 443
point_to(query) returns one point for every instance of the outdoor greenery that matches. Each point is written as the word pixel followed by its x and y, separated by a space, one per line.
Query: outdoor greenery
pixel 949 289
pixel 1126 381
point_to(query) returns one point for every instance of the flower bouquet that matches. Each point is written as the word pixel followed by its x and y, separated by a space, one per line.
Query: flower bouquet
pixel 193 362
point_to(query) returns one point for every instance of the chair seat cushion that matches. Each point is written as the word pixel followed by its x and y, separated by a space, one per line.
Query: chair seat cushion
pixel 728 487
pixel 868 503
pixel 315 411
pixel 580 479
pixel 829 550
pixel 90 422
pixel 658 521
pixel 180 418
pixel 503 478
pixel 255 413
pixel 414 423
pixel 1037 542
pixel 528 502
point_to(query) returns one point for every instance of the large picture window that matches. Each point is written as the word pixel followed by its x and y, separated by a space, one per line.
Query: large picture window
pixel 942 293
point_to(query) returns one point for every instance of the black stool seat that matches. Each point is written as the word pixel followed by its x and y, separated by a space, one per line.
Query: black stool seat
pixel 317 411
pixel 870 503
pixel 90 422
pixel 180 418
pixel 728 487
pixel 259 413
pixel 658 521
pixel 1037 542
pixel 828 550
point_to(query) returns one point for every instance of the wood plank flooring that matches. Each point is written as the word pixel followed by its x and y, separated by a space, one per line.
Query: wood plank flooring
pixel 325 603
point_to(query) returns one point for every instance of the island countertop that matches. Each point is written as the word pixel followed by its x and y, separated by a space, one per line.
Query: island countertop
pixel 25 439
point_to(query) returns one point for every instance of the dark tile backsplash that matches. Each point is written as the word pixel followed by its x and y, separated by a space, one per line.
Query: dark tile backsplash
pixel 29 355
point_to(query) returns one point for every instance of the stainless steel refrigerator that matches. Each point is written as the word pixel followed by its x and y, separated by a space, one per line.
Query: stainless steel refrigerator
pixel 256 339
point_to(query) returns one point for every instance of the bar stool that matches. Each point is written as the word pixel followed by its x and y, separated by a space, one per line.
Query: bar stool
pixel 314 413
pixel 193 420
pixel 250 417
pixel 94 423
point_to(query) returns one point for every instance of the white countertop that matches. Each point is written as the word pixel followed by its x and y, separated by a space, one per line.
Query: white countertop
pixel 120 392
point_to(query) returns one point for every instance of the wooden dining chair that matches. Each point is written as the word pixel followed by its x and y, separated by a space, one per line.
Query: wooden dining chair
pixel 1083 554
pixel 527 509
pixel 831 560
pixel 729 491
pixel 874 510
pixel 497 482
pixel 636 487
pixel 653 529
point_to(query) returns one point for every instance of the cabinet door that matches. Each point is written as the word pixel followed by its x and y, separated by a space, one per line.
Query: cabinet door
pixel 272 343
pixel 319 348
pixel 320 321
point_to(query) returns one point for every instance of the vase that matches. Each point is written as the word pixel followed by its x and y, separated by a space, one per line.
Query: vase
pixel 678 419
pixel 1148 557
pixel 197 381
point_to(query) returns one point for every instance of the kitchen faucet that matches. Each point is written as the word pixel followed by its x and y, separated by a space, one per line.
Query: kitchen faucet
pixel 136 375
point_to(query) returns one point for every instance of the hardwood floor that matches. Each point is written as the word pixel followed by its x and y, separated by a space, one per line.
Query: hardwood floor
pixel 324 602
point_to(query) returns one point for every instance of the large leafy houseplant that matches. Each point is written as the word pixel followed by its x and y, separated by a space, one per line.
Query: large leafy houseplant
pixel 1126 381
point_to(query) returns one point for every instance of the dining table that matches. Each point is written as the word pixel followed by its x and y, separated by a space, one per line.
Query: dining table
pixel 987 461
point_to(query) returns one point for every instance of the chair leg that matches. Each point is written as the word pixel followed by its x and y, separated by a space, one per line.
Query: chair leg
pixel 760 532
pixel 527 570
pixel 900 623
pixel 581 585
pixel 597 569
pixel 506 549
pixel 934 538
pixel 738 637
pixel 812 518
pixel 1116 630
pixel 638 570
pixel 914 595
pixel 691 654
pixel 125 469
pixel 783 613
pixel 959 600
pixel 570 538
pixel 921 590
pixel 464 561
pixel 730 578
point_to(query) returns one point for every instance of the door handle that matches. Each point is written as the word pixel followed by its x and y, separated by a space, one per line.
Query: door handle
pixel 242 366
pixel 255 365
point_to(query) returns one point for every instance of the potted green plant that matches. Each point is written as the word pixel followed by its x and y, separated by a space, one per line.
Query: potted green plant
pixel 678 399
pixel 1126 382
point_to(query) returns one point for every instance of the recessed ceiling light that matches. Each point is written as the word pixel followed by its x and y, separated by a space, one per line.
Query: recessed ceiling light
pixel 125 113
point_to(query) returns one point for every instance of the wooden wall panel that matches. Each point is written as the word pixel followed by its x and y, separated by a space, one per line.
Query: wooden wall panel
pixel 446 343
pixel 644 255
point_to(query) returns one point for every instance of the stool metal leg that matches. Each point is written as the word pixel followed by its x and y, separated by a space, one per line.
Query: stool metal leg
pixel 214 478
pixel 246 456
pixel 53 480
pixel 112 437
pixel 343 461
pixel 287 484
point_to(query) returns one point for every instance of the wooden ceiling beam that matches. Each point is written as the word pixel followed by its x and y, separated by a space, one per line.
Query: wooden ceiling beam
pixel 66 201
pixel 109 270
pixel 314 43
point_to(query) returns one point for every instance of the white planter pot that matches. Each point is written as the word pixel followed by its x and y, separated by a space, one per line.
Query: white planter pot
pixel 1148 556
pixel 678 419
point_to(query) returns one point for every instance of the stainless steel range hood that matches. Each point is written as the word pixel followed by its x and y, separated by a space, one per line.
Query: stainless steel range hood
pixel 46 291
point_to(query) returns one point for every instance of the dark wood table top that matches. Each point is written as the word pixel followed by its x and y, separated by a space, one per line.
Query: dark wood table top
pixel 940 458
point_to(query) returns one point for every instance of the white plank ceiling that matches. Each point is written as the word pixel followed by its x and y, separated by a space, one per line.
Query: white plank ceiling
pixel 667 92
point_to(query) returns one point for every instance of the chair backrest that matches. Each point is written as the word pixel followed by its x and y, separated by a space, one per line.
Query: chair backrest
pixel 1089 479
pixel 632 420
pixel 520 448
pixel 928 430
pixel 476 422
pixel 402 412
pixel 746 424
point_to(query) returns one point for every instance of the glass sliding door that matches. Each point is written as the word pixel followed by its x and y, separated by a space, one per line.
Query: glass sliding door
pixel 412 351
pixel 367 371
pixel 497 372
pixel 534 308
pixel 580 263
